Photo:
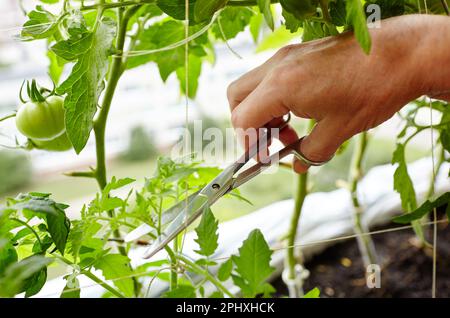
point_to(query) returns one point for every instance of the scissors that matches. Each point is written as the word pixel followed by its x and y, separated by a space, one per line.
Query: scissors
pixel 180 216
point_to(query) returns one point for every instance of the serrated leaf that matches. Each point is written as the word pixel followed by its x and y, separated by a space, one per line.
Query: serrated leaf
pixel 233 20
pixel 205 9
pixel 182 291
pixel 424 209
pixel 404 186
pixel 86 82
pixel 41 24
pixel 402 181
pixel 253 265
pixel 300 9
pixel 225 270
pixel 207 237
pixel 115 266
pixel 58 225
pixel 357 18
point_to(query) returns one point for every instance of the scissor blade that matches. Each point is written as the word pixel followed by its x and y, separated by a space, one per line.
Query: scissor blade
pixel 167 216
pixel 181 222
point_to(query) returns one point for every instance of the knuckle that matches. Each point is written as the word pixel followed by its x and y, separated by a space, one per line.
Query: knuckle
pixel 231 91
pixel 236 119
pixel 285 50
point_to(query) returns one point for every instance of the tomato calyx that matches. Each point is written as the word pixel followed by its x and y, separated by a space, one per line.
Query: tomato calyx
pixel 35 93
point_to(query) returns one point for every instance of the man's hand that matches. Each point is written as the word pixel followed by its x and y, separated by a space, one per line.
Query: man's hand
pixel 346 91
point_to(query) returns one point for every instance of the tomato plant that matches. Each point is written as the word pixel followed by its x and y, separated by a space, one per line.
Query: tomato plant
pixel 98 41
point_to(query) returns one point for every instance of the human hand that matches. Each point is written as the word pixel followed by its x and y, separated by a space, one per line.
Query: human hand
pixel 344 90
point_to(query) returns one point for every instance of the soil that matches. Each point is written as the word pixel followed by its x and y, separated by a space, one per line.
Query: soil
pixel 406 269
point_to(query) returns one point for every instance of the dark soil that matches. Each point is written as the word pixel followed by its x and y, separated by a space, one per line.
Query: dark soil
pixel 406 269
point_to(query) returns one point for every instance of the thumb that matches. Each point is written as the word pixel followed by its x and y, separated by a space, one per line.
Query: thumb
pixel 322 143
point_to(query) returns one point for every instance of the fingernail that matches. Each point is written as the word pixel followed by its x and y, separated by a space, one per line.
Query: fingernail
pixel 300 167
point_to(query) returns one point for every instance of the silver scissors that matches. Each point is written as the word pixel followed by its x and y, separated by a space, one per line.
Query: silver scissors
pixel 180 216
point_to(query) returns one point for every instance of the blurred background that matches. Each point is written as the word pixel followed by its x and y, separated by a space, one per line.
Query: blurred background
pixel 146 120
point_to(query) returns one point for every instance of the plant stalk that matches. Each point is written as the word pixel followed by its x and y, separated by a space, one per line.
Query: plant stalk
pixel 301 192
pixel 100 121
pixel 291 261
pixel 206 274
pixel 365 243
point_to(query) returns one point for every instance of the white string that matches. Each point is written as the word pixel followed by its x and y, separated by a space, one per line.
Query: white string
pixel 433 178
pixel 175 44
pixel 341 238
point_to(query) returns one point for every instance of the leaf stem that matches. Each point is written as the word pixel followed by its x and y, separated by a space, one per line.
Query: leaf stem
pixel 205 273
pixel 173 268
pixel 8 117
pixel 365 243
pixel 92 277
pixel 29 227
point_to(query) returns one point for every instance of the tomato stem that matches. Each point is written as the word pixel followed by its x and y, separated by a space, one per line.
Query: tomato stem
pixel 365 242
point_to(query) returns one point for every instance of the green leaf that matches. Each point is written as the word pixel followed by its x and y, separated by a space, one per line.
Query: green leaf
pixel 85 84
pixel 404 186
pixel 182 291
pixel 291 22
pixel 205 9
pixel 357 18
pixel 255 26
pixel 313 30
pixel 253 265
pixel 58 225
pixel 35 283
pixel 207 237
pixel 225 270
pixel 402 181
pixel 41 24
pixel 264 7
pixel 72 288
pixel 176 8
pixel 300 9
pixel 55 66
pixel 338 12
pixel 194 70
pixel 115 266
pixel 8 255
pixel 233 20
pixel 424 209
pixel 313 293
pixel 388 8
pixel 16 275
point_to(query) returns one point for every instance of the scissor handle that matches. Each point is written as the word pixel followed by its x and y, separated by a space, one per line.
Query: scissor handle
pixel 293 148
pixel 262 142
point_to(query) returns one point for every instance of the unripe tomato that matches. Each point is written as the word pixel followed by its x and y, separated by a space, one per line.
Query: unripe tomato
pixel 42 120
pixel 61 143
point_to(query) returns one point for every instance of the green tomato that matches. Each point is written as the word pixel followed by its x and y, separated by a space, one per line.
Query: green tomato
pixel 61 143
pixel 42 120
